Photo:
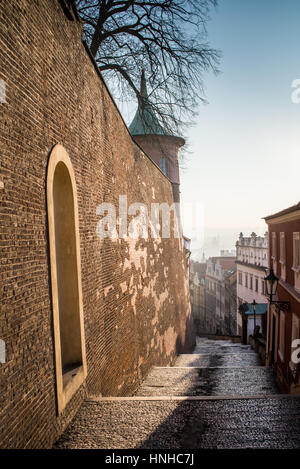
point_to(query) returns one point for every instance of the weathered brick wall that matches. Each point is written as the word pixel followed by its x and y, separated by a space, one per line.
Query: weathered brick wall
pixel 135 292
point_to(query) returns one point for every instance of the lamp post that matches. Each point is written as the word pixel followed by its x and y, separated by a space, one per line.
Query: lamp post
pixel 242 309
pixel 254 312
pixel 271 284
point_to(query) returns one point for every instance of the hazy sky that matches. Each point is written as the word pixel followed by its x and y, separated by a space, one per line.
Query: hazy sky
pixel 246 143
pixel 245 146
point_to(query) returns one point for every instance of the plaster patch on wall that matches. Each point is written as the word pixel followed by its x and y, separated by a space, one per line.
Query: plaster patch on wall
pixel 158 301
pixel 133 293
pixel 141 361
pixel 170 338
pixel 161 343
pixel 150 288
pixel 131 282
pixel 156 243
pixel 137 256
pixel 108 289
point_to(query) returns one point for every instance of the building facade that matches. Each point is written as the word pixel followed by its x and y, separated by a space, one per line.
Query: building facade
pixel 197 294
pixel 252 262
pixel 284 319
pixel 230 300
pixel 220 281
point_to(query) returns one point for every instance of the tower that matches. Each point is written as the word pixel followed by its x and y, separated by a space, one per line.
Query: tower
pixel 160 145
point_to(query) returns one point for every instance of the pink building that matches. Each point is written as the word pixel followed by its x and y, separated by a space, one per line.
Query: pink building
pixel 284 310
pixel 252 262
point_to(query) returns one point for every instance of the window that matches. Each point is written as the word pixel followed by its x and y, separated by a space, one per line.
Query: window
pixel 246 280
pixel 296 251
pixel 282 248
pixel 256 284
pixel 69 345
pixel 282 335
pixel 282 255
pixel 273 252
pixel 251 282
pixel 295 331
pixel 263 286
pixel 240 278
pixel 163 165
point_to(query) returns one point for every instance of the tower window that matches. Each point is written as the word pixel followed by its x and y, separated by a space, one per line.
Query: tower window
pixel 163 165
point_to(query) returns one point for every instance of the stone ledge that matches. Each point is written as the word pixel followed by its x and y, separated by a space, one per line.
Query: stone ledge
pixel 192 398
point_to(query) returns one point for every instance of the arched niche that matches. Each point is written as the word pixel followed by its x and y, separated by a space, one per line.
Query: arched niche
pixel 65 265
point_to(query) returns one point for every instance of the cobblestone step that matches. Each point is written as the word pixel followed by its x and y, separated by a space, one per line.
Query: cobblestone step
pixel 219 397
pixel 220 347
pixel 272 423
pixel 208 382
pixel 217 360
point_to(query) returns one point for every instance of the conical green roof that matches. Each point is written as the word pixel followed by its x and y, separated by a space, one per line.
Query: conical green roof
pixel 145 121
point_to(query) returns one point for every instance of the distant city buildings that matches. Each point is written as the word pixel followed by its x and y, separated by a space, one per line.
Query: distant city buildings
pixel 213 295
pixel 220 283
pixel 197 294
pixel 252 262
pixel 228 253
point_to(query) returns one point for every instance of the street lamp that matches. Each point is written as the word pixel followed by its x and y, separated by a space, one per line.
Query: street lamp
pixel 271 284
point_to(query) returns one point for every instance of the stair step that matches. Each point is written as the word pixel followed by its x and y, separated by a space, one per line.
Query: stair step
pixel 244 359
pixel 196 381
pixel 193 423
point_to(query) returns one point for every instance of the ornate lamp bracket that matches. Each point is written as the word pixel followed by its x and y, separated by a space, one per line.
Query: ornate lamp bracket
pixel 281 305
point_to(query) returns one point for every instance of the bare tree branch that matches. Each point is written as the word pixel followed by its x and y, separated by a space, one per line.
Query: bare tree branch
pixel 167 38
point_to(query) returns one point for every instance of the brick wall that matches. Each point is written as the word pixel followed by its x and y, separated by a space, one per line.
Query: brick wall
pixel 135 292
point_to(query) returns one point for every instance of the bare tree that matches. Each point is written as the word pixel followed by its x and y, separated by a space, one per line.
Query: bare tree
pixel 167 38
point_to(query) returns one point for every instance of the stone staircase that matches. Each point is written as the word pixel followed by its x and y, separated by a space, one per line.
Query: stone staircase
pixel 218 397
pixel 216 368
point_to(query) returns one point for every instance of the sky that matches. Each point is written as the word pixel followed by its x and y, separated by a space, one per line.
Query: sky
pixel 245 146
pixel 244 161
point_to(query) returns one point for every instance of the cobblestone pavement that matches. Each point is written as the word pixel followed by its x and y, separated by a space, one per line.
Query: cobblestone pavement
pixel 219 424
pixel 208 382
pixel 215 368
pixel 226 360
pixel 220 378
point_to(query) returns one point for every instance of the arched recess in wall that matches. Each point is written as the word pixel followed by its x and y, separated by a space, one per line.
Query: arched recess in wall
pixel 70 359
